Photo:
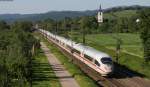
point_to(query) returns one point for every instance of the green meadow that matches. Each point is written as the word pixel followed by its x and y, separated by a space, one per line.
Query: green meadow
pixel 131 43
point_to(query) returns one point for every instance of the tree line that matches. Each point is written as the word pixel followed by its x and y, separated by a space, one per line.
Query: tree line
pixel 69 27
pixel 110 25
pixel 16 43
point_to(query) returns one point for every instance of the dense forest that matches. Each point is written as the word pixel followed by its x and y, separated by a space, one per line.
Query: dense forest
pixel 16 44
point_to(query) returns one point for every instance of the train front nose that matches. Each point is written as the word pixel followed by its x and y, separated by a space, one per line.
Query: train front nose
pixel 108 68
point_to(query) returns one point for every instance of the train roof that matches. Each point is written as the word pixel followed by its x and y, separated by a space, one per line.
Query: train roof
pixel 90 51
pixel 80 47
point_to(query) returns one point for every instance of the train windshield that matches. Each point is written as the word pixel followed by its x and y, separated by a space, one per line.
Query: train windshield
pixel 106 60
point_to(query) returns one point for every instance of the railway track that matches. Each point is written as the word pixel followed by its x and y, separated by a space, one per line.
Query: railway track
pixel 118 79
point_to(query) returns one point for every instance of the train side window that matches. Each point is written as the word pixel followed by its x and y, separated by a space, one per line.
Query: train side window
pixel 69 47
pixel 87 57
pixel 76 51
pixel 57 40
pixel 97 63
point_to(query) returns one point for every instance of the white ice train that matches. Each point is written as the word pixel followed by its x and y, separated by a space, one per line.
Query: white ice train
pixel 99 61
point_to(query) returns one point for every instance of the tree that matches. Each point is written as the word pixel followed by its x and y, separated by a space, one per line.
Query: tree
pixel 3 25
pixel 16 43
pixel 118 46
pixel 66 26
pixel 145 32
pixel 84 25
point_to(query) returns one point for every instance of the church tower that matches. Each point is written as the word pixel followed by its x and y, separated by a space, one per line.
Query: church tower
pixel 100 15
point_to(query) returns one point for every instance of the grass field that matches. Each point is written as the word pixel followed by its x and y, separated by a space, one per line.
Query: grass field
pixel 81 78
pixel 43 76
pixel 131 50
pixel 131 43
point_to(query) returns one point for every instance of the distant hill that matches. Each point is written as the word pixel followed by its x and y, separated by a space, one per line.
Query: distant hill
pixel 123 13
pixel 58 15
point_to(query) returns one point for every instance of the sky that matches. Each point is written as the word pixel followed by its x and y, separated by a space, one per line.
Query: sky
pixel 42 6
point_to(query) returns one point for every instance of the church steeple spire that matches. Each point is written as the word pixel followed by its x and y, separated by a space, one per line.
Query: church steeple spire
pixel 100 8
pixel 100 15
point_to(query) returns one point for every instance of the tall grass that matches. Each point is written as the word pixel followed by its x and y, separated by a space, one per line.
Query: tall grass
pixel 43 75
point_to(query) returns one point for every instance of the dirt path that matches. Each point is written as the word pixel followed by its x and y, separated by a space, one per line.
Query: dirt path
pixel 64 76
